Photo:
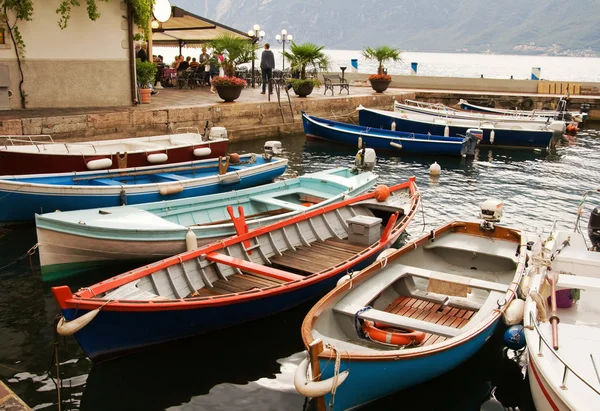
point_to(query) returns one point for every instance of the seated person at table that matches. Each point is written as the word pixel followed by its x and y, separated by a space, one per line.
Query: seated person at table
pixel 185 64
pixel 194 63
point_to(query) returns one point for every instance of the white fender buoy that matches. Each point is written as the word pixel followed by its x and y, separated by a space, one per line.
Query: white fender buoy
pixel 359 142
pixel 386 253
pixel 393 127
pixel 342 280
pixel 170 189
pixel 67 328
pixel 446 131
pixel 315 389
pixel 435 169
pixel 514 313
pixel 157 158
pixel 492 136
pixel 99 164
pixel 191 241
pixel 396 145
pixel 202 152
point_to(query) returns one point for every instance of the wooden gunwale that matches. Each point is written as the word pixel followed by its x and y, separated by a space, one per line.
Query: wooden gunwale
pixel 84 298
pixel 457 226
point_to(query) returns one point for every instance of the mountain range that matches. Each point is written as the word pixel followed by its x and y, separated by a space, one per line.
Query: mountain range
pixel 553 27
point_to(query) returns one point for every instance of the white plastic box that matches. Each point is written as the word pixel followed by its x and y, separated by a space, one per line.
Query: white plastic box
pixel 364 230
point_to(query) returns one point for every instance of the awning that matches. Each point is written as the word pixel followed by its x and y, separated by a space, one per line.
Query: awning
pixel 185 28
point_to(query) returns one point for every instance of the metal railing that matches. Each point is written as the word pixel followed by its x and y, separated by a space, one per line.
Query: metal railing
pixel 542 341
pixel 26 139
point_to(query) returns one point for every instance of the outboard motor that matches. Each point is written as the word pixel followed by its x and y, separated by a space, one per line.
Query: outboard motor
pixel 584 110
pixel 491 213
pixel 365 160
pixel 473 137
pixel 272 148
pixel 594 229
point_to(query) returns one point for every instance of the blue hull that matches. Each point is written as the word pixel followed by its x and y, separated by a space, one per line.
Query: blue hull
pixel 502 137
pixel 379 139
pixel 18 206
pixel 371 380
pixel 113 333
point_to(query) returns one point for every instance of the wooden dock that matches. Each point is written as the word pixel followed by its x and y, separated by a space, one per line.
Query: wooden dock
pixel 9 400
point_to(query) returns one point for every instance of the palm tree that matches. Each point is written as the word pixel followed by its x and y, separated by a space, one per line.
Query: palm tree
pixel 235 51
pixel 382 54
pixel 304 55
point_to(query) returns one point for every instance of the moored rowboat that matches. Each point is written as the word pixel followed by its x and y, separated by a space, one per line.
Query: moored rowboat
pixel 21 197
pixel 74 241
pixel 267 270
pixel 40 154
pixel 414 314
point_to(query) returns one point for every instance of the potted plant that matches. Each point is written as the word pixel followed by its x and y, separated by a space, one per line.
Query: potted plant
pixel 234 51
pixel 145 72
pixel 300 57
pixel 381 80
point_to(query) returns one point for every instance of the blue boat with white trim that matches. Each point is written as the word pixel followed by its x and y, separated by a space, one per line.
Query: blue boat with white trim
pixel 515 135
pixel 380 139
pixel 21 197
pixel 414 314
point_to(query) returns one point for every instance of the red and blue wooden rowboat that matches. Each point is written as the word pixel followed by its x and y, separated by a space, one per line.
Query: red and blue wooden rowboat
pixel 248 276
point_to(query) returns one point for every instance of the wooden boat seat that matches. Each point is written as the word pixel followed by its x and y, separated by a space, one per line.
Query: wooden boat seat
pixel 503 249
pixel 363 295
pixel 253 267
pixel 172 177
pixel 107 181
pixel 265 199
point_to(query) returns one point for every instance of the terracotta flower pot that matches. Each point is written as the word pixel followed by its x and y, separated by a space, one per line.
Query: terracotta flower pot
pixel 380 85
pixel 229 93
pixel 145 93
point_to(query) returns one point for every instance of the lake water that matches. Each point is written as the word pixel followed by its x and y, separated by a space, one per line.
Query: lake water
pixel 251 366
pixel 583 69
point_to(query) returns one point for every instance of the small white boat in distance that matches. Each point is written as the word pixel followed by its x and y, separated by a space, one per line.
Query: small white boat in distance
pixel 563 334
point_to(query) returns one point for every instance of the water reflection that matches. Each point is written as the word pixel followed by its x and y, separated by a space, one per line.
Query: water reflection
pixel 250 366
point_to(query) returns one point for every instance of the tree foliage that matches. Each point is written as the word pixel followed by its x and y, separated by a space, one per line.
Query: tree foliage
pixel 382 54
pixel 235 51
pixel 306 55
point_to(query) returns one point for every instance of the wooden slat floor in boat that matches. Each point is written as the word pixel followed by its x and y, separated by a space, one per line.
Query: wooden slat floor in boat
pixel 428 311
pixel 237 283
pixel 319 256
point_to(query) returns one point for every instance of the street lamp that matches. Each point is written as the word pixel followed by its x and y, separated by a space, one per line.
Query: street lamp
pixel 256 35
pixel 283 39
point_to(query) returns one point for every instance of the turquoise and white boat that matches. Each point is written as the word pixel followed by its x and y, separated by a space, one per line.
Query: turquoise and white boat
pixel 411 316
pixel 74 241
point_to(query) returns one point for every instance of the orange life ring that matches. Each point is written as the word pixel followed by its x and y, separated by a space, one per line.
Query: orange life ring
pixel 388 335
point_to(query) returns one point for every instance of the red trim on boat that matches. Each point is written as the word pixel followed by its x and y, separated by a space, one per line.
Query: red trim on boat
pixel 84 298
pixel 543 388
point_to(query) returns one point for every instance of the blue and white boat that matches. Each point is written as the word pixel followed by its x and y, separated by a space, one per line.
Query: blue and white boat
pixel 414 314
pixel 75 241
pixel 501 134
pixel 21 197
pixel 380 139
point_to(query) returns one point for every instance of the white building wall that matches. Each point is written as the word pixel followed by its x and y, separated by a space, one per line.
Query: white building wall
pixel 84 65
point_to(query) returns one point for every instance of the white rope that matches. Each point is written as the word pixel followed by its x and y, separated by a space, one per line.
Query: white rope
pixel 336 374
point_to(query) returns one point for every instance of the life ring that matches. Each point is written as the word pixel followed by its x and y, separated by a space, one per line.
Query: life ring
pixel 388 335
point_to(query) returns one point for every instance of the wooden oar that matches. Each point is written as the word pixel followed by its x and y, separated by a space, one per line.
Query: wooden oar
pixel 162 170
pixel 554 320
